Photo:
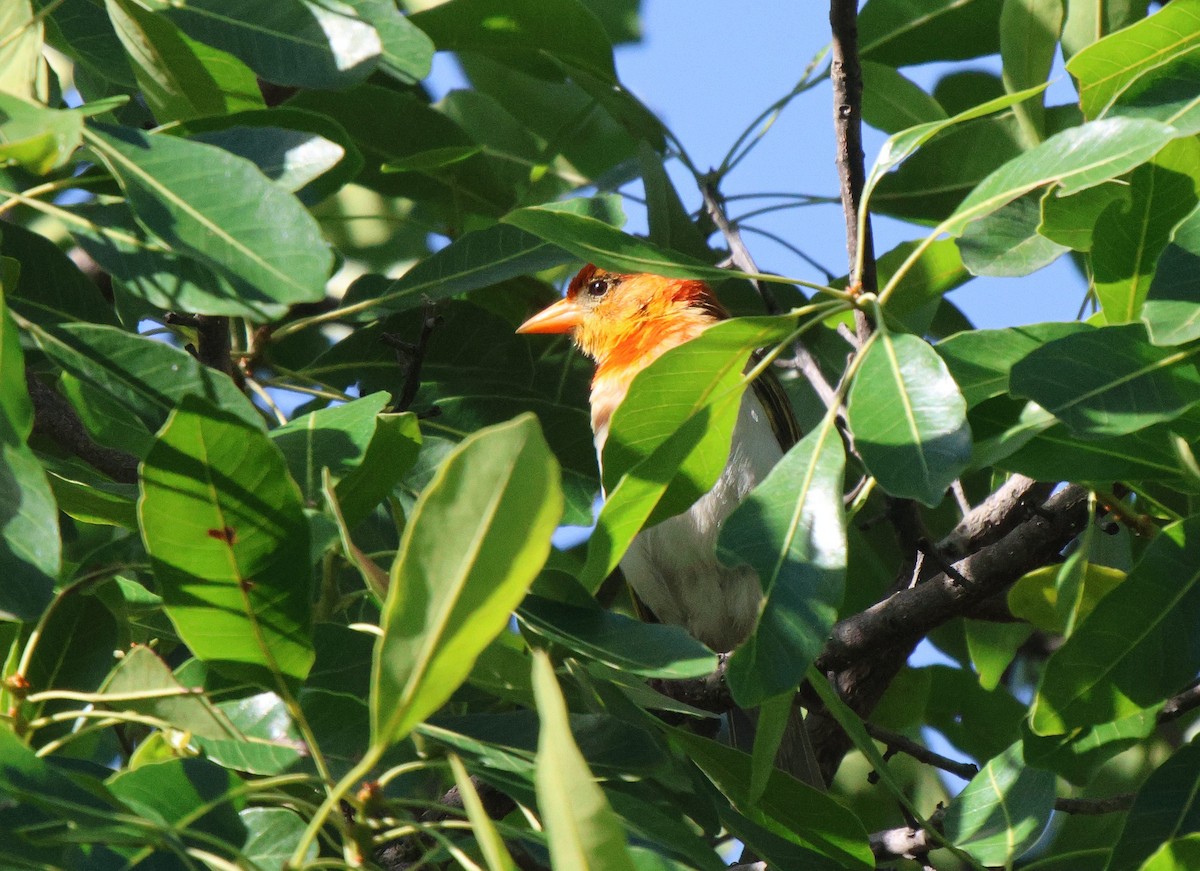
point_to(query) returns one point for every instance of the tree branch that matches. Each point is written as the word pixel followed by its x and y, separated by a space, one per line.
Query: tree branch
pixel 55 418
pixel 898 743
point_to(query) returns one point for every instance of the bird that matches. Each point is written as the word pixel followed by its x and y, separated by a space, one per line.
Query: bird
pixel 624 322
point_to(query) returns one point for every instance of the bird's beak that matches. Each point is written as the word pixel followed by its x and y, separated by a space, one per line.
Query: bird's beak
pixel 562 317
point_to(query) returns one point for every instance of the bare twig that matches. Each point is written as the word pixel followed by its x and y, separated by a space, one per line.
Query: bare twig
pixel 214 348
pixel 1178 705
pixel 411 356
pixel 1095 806
pixel 55 418
pixel 846 74
pixel 902 744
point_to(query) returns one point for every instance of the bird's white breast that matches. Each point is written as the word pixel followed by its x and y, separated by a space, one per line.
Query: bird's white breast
pixel 673 566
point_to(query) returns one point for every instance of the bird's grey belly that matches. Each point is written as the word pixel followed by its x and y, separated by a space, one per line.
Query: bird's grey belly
pixel 673 566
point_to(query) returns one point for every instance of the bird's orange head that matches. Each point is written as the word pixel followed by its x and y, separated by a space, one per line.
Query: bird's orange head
pixel 623 321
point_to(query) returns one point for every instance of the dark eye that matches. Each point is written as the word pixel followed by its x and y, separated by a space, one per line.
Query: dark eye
pixel 598 286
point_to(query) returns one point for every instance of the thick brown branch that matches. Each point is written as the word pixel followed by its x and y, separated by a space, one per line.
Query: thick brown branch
pixel 908 615
pixel 55 418
pixel 214 348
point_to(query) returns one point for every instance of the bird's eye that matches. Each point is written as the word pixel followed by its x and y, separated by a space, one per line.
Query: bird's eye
pixel 598 287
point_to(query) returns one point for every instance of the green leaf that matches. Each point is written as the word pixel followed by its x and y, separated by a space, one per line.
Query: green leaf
pixel 791 530
pixel 272 833
pixel 891 103
pixel 1007 242
pixel 594 241
pixel 1121 659
pixel 495 853
pixel 1071 220
pixel 477 259
pixel 790 809
pixel 647 649
pixel 20 55
pixel 1073 160
pixel 1003 810
pixel 30 540
pixel 172 71
pixel 582 831
pixel 1106 69
pixel 938 270
pixel 450 595
pixel 50 287
pixel 141 671
pixel 1166 807
pixel 302 152
pixel 1078 755
pixel 194 794
pixel 993 647
pixel 407 51
pixel 1179 854
pixel 143 375
pixel 1172 308
pixel 1108 381
pixel 901 33
pixel 909 419
pixel 1029 32
pixel 980 360
pixel 1056 454
pixel 223 524
pixel 28 779
pixel 247 227
pixel 1089 20
pixel 288 42
pixel 1170 93
pixel 523 32
pixel 669 438
pixel 35 137
pixel 1128 239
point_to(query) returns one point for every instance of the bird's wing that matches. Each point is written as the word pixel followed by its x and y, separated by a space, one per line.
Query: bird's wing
pixel 774 400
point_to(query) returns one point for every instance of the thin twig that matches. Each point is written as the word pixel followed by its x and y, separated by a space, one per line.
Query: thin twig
pixel 902 744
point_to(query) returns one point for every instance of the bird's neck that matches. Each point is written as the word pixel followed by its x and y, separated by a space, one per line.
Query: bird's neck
pixel 618 364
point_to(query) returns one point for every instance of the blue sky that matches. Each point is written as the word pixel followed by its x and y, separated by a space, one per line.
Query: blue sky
pixel 708 68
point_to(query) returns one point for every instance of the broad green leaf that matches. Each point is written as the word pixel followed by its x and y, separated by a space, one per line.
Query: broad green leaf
pixel 1121 658
pixel 594 241
pixel 495 853
pixel 30 540
pixel 1073 160
pixel 38 783
pixel 1077 755
pixel 670 224
pixel 228 541
pixel 143 375
pixel 1166 807
pixel 670 437
pixel 474 260
pixel 892 103
pixel 233 218
pixel 770 731
pixel 909 419
pixel 290 42
pixel 92 498
pixel 50 288
pixel 521 32
pixel 1172 308
pixel 788 808
pixel 1035 598
pixel 1169 93
pixel 334 438
pixel 1108 381
pixel 82 30
pixel 1107 68
pixel 791 530
pixel 36 137
pixel 145 268
pixel 1179 854
pixel 647 649
pixel 900 33
pixel 171 70
pixel 1071 220
pixel 20 54
pixel 450 595
pixel 302 152
pixel 993 647
pixel 901 146
pixel 141 671
pixel 1089 20
pixel 937 271
pixel 582 831
pixel 194 794
pixel 272 833
pixel 1029 32
pixel 1128 240
pixel 1056 454
pixel 1003 810
pixel 980 360
pixel 407 51
pixel 1007 241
